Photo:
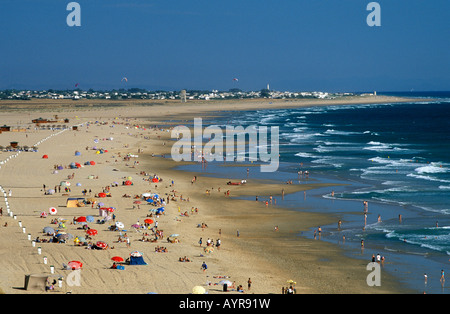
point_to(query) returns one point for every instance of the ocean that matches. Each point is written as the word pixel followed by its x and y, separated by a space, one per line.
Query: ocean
pixel 394 156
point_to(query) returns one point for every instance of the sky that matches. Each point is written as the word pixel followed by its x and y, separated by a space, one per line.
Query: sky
pixel 296 45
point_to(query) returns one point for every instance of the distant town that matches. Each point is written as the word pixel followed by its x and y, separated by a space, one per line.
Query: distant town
pixel 184 95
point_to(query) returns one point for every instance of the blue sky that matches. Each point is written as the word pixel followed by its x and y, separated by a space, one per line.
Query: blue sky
pixel 199 44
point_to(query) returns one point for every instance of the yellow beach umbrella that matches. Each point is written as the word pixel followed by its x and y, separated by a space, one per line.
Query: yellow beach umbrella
pixel 290 281
pixel 198 290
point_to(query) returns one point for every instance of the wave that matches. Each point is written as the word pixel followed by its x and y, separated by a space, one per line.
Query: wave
pixel 429 178
pixel 444 187
pixel 336 132
pixel 305 155
pixel 432 168
pixel 382 147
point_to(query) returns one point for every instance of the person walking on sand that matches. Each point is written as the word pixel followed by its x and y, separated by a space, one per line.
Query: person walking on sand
pixel 249 283
pixel 200 242
pixel 204 267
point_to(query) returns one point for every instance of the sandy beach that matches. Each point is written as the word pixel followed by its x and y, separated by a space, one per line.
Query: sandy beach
pixel 270 258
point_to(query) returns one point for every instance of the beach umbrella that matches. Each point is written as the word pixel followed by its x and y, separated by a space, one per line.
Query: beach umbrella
pixel 208 249
pixel 148 221
pixel 78 184
pixel 101 204
pixel 225 282
pixel 75 265
pixel 198 290
pixel 120 225
pixel 101 194
pixel 290 281
pixel 82 239
pixel 48 230
pixel 110 209
pixel 92 163
pixel 65 236
pixel 90 219
pixel 92 232
pixel 101 244
pixel 174 235
pixel 81 219
pixel 155 180
pixel 45 157
pixel 135 226
pixel 52 210
pixel 146 194
pixel 136 254
pixel 117 259
pixel 128 182
pixel 43 214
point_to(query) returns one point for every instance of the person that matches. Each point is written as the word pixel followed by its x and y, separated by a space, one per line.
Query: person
pixel 200 241
pixel 114 266
pixel 249 283
pixel 442 280
pixel 204 267
pixel 237 233
pixel 218 243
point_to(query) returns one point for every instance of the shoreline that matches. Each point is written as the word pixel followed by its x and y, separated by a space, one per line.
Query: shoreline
pixel 323 268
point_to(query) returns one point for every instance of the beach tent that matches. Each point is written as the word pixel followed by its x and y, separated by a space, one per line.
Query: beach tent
pixel 75 202
pixel 136 258
pixel 49 230
pixel 160 210
pixel 35 282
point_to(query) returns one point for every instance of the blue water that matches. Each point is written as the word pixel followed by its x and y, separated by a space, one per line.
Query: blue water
pixel 396 156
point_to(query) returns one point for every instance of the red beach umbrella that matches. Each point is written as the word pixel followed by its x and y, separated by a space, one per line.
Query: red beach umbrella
pixel 45 157
pixel 110 209
pixel 75 265
pixel 101 194
pixel 81 219
pixel 155 180
pixel 128 182
pixel 92 163
pixel 92 232
pixel 148 221
pixel 117 259
pixel 101 244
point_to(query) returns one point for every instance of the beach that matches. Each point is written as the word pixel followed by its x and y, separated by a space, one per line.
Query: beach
pixel 250 246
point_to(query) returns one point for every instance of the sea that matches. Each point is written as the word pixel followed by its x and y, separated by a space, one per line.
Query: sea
pixel 394 156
